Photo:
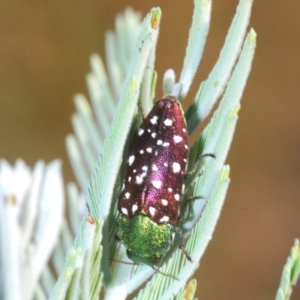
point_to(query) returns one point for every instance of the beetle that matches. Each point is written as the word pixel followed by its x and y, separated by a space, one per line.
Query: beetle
pixel 149 203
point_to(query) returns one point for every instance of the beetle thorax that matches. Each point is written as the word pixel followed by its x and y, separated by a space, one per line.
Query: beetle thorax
pixel 146 241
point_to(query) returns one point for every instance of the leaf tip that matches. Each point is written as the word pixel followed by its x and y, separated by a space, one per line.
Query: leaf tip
pixel 252 35
pixel 235 110
pixel 90 220
pixel 155 18
pixel 225 173
pixel 190 290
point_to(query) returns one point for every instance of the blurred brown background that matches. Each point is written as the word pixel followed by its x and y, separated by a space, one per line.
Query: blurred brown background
pixel 44 57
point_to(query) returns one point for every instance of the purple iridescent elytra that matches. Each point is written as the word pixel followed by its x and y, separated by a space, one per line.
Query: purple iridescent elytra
pixel 156 165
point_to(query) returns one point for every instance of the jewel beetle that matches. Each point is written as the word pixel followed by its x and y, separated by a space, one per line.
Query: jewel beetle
pixel 149 203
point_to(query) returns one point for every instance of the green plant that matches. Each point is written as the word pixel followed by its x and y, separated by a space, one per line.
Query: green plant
pixel 101 135
pixel 115 102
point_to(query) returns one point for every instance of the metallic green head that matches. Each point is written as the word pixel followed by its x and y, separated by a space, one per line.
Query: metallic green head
pixel 146 241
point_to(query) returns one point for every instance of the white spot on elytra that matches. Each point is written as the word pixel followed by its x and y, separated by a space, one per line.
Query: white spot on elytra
pixel 165 164
pixel 156 153
pixel 184 160
pixel 138 179
pixel 183 187
pixel 168 122
pixel 166 144
pixel 149 130
pixel 164 202
pixel 153 134
pixel 177 138
pixel 144 168
pixel 157 184
pixel 159 142
pixel 154 167
pixel 129 178
pixel 134 171
pixel 141 131
pixel 142 151
pixel 152 210
pixel 183 129
pixel 176 167
pixel 170 190
pixel 186 146
pixel 124 211
pixel 149 150
pixel 134 208
pixel 127 195
pixel 177 197
pixel 164 219
pixel 154 119
pixel 131 160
